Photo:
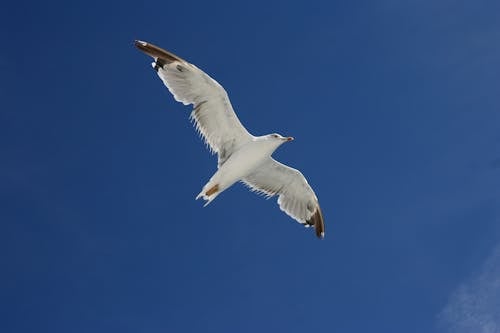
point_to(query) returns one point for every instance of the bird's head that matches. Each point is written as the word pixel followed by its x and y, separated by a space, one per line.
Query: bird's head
pixel 271 142
pixel 279 139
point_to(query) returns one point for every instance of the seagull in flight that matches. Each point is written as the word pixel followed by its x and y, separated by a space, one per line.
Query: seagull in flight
pixel 241 156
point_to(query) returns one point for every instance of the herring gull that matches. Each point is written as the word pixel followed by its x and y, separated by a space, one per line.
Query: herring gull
pixel 241 156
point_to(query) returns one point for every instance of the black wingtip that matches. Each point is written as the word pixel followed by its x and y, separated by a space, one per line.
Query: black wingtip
pixel 143 46
pixel 317 221
pixel 139 43
pixel 157 52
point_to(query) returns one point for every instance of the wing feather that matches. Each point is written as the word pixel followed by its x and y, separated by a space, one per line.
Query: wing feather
pixel 296 197
pixel 212 114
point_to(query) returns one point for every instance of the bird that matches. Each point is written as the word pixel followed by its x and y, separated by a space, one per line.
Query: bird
pixel 242 157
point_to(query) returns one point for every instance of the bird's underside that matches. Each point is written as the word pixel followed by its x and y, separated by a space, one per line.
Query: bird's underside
pixel 241 156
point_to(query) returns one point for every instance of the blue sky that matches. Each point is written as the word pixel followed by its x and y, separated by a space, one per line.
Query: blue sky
pixel 394 107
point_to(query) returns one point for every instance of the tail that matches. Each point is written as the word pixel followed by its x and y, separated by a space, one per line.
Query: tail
pixel 209 193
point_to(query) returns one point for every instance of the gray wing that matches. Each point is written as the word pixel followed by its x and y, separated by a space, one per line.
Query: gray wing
pixel 296 197
pixel 213 114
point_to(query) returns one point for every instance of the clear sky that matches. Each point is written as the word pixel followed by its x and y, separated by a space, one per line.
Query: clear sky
pixel 394 106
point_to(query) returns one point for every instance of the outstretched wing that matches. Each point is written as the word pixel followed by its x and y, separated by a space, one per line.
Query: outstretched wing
pixel 296 197
pixel 213 114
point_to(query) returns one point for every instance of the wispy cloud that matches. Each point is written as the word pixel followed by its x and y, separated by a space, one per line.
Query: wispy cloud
pixel 475 306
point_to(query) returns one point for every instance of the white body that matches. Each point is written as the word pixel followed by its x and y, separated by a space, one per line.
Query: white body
pixel 239 165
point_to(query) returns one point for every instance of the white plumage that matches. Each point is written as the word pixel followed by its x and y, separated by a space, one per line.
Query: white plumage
pixel 241 156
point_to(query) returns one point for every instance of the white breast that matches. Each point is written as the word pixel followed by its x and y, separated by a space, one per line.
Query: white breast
pixel 242 162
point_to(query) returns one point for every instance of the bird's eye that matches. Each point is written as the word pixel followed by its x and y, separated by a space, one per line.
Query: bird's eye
pixel 274 135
